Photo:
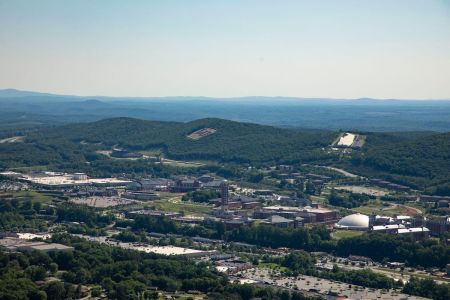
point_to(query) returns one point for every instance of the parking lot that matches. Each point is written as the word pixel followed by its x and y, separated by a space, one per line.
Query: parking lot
pixel 101 202
pixel 321 286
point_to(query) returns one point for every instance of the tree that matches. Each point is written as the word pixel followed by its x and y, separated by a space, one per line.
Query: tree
pixel 55 290
pixel 36 272
pixel 37 206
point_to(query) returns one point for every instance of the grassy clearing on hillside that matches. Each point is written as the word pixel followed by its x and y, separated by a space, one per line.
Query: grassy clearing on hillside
pixel 182 164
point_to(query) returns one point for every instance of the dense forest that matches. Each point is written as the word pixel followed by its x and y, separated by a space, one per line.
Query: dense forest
pixel 121 273
pixel 233 141
pixel 420 160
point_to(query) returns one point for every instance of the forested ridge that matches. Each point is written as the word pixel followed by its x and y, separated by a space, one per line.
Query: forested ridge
pixel 418 159
pixel 233 141
pixel 422 157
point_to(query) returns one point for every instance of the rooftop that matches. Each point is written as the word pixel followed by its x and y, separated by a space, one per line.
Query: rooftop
pixel 277 219
pixel 297 209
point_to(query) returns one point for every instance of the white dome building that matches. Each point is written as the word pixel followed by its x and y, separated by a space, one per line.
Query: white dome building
pixel 353 222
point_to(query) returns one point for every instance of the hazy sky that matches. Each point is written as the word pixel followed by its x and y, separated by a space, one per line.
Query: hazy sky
pixel 341 49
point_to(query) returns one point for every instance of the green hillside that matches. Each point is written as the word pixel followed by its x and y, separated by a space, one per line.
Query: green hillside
pixel 233 141
pixel 420 160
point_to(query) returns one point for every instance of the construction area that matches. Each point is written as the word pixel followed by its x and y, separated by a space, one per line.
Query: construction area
pixel 201 133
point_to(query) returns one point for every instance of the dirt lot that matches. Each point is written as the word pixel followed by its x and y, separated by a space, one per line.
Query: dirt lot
pixel 362 190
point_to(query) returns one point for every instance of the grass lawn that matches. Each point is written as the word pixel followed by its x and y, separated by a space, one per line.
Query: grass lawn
pixel 378 208
pixel 185 164
pixel 31 195
pixel 368 210
pixel 345 234
pixel 318 199
pixel 273 266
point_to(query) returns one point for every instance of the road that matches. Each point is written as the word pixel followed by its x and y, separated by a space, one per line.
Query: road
pixel 343 172
pixel 13 139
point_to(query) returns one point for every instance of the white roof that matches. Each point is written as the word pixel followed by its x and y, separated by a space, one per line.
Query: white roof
pixel 391 226
pixel 403 217
pixel 416 229
pixel 247 281
pixel 298 209
pixel 355 221
pixel 30 236
pixel 222 269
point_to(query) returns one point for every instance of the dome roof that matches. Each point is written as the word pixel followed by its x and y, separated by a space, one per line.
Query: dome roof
pixel 355 221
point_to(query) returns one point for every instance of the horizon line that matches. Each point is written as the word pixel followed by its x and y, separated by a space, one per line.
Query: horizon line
pixel 46 93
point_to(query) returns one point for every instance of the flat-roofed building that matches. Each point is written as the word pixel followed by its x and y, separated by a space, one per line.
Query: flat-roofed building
pixel 158 184
pixel 251 205
pixel 185 185
pixel 438 225
pixel 155 213
pixel 391 228
pixel 308 214
pixel 416 232
pixel 278 221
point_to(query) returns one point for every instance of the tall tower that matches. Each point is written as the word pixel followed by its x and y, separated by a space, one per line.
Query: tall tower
pixel 224 194
pixel 372 219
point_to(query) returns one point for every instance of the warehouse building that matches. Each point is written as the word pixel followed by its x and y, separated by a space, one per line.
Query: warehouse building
pixel 17 244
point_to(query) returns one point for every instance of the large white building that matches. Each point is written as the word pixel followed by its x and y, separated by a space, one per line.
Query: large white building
pixel 353 222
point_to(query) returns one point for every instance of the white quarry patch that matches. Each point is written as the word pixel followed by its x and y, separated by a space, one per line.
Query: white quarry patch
pixel 346 139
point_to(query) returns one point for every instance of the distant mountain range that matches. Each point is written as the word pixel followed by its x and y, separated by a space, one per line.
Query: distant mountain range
pixel 14 93
pixel 19 108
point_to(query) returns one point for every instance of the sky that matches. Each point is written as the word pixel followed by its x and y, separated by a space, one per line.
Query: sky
pixel 339 49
